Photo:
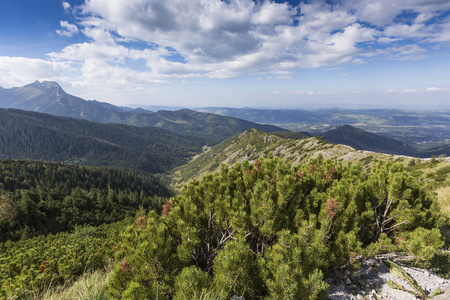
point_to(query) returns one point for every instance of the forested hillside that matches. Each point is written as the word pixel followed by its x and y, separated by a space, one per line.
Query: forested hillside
pixel 42 198
pixel 363 140
pixel 211 128
pixel 279 214
pixel 30 135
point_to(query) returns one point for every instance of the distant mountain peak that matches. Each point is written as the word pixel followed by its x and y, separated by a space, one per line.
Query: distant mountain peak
pixel 46 85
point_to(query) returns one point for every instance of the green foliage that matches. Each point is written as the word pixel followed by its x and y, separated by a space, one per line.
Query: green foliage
pixel 30 135
pixel 41 198
pixel 31 266
pixel 151 270
pixel 268 229
pixel 290 273
pixel 422 243
pixel 236 271
pixel 192 283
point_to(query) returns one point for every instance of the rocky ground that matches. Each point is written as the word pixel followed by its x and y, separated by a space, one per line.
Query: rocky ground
pixel 370 282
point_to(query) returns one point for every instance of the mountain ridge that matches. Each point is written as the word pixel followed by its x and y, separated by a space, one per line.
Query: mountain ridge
pixel 49 97
pixel 364 140
pixel 254 144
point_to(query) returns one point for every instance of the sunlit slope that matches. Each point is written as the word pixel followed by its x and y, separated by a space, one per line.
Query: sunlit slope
pixel 252 144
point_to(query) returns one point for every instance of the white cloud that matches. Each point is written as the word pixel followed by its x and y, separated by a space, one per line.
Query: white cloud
pixel 179 39
pixel 319 93
pixel 66 5
pixel 406 52
pixel 238 37
pixel 67 29
pixel 17 71
pixel 387 40
pixel 434 89
pixel 226 39
pixel 383 12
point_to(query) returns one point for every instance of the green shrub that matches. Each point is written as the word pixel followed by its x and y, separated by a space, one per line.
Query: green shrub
pixel 271 230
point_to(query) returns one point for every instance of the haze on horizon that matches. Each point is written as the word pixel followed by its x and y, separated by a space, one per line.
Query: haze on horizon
pixel 233 53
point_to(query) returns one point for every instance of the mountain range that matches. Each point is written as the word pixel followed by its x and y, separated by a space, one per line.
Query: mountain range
pixel 206 128
pixel 336 116
pixel 49 97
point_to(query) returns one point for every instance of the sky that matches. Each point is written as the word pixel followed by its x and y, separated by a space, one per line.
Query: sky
pixel 232 53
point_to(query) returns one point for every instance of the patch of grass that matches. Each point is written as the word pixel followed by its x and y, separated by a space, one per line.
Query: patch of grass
pixel 366 160
pixel 444 200
pixel 90 286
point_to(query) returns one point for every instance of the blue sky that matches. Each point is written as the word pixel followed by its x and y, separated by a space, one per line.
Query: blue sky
pixel 236 53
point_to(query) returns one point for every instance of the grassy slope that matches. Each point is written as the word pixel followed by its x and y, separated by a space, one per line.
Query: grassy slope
pixel 91 285
pixel 253 144
pixel 444 199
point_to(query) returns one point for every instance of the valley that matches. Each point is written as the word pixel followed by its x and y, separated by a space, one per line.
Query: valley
pixel 422 129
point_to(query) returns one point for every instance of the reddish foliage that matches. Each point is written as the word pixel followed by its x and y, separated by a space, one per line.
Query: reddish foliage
pixel 399 240
pixel 313 169
pixel 43 266
pixel 329 177
pixel 298 175
pixel 333 170
pixel 331 208
pixel 125 266
pixel 166 208
pixel 257 164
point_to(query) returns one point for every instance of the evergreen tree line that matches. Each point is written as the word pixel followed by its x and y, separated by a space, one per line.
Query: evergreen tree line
pixel 41 198
pixel 36 136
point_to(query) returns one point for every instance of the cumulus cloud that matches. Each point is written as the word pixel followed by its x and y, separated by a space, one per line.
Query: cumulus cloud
pixel 223 39
pixel 407 52
pixel 383 12
pixel 66 5
pixel 220 39
pixel 17 71
pixel 67 29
